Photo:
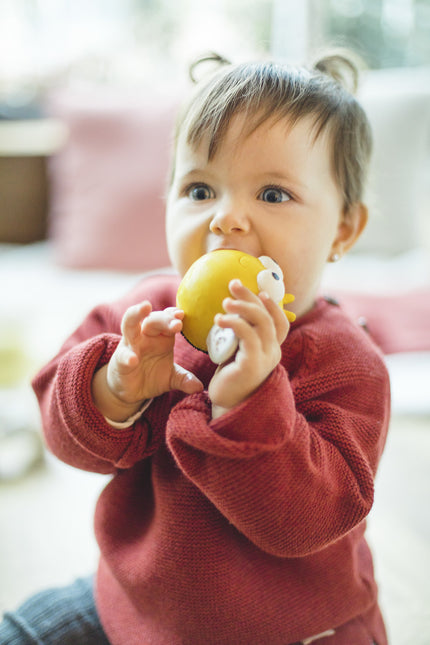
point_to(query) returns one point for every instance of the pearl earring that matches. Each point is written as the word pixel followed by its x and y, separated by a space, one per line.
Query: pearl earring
pixel 335 257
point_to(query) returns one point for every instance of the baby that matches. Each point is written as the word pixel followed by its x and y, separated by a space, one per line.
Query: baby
pixel 236 511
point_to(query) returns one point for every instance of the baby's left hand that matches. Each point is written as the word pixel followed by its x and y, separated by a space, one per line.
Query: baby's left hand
pixel 261 327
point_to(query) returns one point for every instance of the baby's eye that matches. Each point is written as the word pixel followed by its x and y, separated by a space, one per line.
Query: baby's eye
pixel 200 192
pixel 274 195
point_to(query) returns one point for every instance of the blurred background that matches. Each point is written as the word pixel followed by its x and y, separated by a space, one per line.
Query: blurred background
pixel 88 96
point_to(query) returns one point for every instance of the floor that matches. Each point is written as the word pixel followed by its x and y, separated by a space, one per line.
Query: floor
pixel 399 531
pixel 46 530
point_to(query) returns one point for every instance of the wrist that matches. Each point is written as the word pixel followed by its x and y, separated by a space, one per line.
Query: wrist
pixel 218 410
pixel 120 425
pixel 108 403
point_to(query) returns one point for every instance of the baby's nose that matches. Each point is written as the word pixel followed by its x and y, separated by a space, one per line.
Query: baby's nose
pixel 230 218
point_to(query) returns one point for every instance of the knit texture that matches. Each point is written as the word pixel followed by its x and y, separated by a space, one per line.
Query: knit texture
pixel 244 530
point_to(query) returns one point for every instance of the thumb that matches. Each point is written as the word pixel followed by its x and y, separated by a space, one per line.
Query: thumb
pixel 184 380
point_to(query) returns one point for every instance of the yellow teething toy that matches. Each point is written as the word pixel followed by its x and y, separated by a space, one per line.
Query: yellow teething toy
pixel 204 287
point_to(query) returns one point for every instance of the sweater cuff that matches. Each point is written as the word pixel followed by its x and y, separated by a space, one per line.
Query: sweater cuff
pixel 120 425
pixel 251 428
pixel 261 418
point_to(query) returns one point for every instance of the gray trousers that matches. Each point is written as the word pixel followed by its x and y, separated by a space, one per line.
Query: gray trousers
pixel 63 616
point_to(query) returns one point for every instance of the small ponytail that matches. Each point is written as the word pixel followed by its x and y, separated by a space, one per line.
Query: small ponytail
pixel 215 59
pixel 341 65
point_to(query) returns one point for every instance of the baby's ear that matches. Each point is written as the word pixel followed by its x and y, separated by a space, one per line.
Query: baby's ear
pixel 350 228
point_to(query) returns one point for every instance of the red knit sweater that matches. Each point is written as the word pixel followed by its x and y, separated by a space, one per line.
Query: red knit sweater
pixel 245 530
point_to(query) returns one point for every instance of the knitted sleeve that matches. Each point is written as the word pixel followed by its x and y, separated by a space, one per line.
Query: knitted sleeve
pixel 292 467
pixel 74 429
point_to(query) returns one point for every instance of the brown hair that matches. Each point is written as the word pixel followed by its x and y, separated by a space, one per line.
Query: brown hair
pixel 266 90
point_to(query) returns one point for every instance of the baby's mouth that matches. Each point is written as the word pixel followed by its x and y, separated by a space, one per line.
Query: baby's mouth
pixel 232 247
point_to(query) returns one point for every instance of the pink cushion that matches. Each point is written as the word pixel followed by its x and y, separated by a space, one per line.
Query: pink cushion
pixel 108 183
pixel 399 323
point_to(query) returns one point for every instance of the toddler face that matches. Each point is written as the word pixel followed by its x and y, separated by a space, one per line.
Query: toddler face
pixel 271 192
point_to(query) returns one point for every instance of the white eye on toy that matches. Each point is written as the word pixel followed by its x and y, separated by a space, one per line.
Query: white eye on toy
pixel 271 279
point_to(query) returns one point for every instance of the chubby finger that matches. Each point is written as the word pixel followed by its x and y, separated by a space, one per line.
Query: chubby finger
pixel 132 319
pixel 254 309
pixel 242 328
pixel 165 322
pixel 125 356
pixel 184 380
pixel 266 316
pixel 243 302
pixel 253 332
pixel 281 322
pixel 240 292
pixel 248 321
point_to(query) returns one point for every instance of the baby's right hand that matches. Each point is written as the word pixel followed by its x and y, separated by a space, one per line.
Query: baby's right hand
pixel 142 365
